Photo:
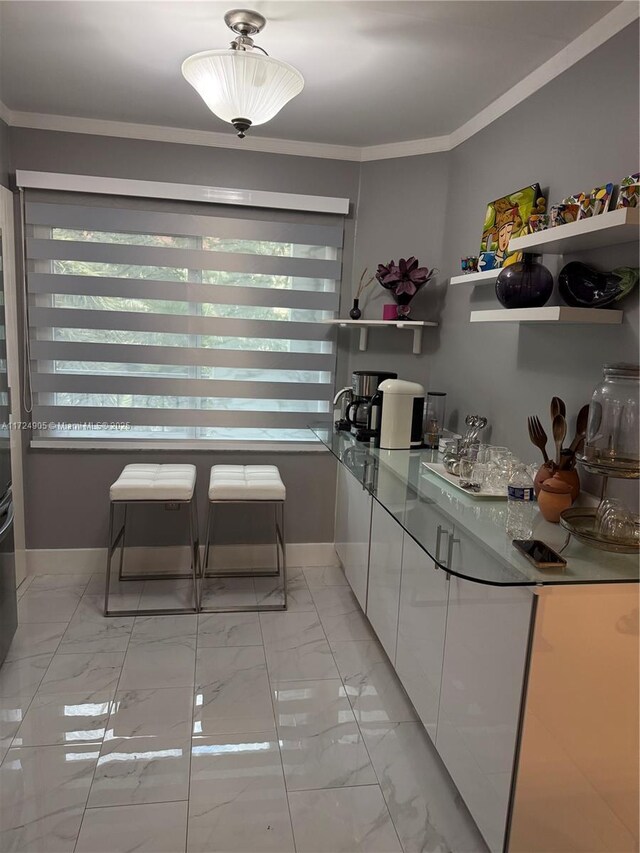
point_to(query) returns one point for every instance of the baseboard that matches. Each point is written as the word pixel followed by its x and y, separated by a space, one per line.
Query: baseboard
pixel 232 557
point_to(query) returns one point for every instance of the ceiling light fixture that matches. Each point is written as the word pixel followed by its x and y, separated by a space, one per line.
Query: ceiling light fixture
pixel 239 84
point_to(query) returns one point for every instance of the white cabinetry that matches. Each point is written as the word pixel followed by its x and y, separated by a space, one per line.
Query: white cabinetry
pixel 353 529
pixel 385 561
pixel 485 654
pixel 421 631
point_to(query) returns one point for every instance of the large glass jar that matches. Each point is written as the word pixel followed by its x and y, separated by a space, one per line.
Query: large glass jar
pixel 612 441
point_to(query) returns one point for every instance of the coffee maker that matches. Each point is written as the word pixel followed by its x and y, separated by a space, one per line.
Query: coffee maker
pixel 354 401
pixel 364 385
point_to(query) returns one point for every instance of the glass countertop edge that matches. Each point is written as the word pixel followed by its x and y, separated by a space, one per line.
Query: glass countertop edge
pixel 512 569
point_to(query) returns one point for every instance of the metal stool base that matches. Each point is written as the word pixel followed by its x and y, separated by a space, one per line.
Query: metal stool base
pixel 193 575
pixel 281 563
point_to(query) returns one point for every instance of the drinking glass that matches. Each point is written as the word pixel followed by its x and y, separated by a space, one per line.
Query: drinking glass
pixel 499 469
pixel 614 521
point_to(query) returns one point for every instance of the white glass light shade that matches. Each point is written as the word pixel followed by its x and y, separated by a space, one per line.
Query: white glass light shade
pixel 242 84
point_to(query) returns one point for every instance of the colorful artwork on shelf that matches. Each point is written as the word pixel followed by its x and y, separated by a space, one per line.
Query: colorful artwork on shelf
pixel 505 218
pixel 469 264
pixel 595 202
pixel 563 214
pixel 629 193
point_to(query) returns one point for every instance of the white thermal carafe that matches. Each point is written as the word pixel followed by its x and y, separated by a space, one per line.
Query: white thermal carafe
pixel 402 410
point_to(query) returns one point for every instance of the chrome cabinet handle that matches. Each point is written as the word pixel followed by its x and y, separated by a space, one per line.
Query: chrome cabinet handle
pixel 439 533
pixel 452 541
pixel 364 474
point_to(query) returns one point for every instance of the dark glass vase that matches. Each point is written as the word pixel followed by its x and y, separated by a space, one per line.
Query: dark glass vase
pixel 355 312
pixel 524 285
pixel 403 302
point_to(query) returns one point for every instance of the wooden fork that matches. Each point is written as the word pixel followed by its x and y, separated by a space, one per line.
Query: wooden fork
pixel 537 435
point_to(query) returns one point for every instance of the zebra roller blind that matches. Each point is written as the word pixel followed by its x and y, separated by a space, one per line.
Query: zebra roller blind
pixel 179 321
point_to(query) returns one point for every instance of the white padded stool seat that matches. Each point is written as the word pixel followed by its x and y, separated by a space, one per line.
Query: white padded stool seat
pixel 246 483
pixel 154 483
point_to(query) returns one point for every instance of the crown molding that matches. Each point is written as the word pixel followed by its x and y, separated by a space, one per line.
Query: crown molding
pixel 184 136
pixel 410 148
pixel 600 32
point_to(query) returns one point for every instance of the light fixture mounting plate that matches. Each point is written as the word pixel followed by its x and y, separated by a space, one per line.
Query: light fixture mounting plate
pixel 244 22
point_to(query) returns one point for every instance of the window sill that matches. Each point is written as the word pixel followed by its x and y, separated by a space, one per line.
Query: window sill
pixel 177 446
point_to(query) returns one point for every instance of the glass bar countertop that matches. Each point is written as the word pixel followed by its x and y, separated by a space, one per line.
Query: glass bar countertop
pixel 463 534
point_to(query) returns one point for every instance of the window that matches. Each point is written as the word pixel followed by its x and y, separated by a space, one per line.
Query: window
pixel 179 323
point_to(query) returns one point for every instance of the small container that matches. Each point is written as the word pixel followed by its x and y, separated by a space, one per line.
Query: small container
pixel 449 442
pixel 554 498
pixel 545 471
pixel 434 411
pixel 390 311
pixel 572 479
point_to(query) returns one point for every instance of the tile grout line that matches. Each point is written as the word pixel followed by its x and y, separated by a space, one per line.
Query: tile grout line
pixel 111 707
pixel 364 743
pixel 340 678
pixel 193 700
pixel 275 722
pixel 30 703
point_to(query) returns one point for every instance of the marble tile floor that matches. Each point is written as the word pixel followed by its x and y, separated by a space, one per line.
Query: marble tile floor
pixel 280 732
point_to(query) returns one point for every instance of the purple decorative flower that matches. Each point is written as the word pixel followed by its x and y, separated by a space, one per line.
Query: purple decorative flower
pixel 404 278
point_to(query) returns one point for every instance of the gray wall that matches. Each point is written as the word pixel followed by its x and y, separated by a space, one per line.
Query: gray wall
pixel 66 491
pixel 579 131
pixel 4 154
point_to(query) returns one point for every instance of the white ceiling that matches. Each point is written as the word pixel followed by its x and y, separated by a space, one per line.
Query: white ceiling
pixel 375 72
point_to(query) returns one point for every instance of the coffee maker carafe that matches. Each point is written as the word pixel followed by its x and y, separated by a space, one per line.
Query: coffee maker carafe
pixel 364 386
pixel 358 416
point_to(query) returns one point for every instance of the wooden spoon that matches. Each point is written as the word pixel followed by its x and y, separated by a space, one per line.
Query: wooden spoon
pixel 558 408
pixel 581 428
pixel 559 434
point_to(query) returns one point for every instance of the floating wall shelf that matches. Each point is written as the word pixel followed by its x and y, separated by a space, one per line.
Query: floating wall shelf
pixel 550 314
pixel 416 326
pixel 607 229
pixel 485 277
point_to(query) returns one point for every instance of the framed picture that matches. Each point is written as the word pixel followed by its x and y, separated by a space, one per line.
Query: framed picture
pixel 508 217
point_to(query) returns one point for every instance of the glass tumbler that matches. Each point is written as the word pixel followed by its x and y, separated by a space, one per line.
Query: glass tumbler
pixel 435 407
pixel 615 522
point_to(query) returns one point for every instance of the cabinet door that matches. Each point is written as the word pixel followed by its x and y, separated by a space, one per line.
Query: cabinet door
pixel 385 560
pixel 485 656
pixel 422 619
pixel 353 527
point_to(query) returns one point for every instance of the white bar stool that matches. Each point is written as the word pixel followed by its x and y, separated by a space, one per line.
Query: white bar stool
pixel 153 484
pixel 248 484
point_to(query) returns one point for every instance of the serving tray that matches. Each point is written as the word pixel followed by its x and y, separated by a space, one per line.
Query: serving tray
pixel 581 524
pixel 484 494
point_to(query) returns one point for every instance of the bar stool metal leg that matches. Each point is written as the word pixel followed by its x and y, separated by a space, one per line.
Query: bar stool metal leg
pixel 194 568
pixel 207 539
pixel 280 533
pixel 111 547
pixel 124 533
pixel 207 574
pixel 195 551
pixel 109 554
pixel 281 562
